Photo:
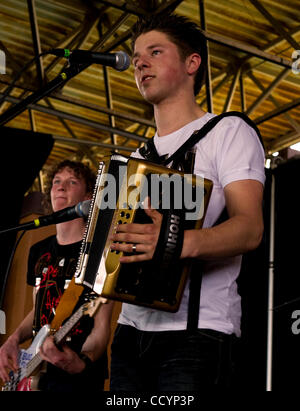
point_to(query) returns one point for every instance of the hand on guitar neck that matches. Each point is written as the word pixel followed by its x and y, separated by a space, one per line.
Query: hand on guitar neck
pixel 63 357
pixel 30 360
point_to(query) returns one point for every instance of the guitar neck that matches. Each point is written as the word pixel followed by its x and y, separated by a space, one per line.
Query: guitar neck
pixel 67 327
pixel 58 338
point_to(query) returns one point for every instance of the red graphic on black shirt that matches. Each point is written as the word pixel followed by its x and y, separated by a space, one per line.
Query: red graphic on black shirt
pixel 51 285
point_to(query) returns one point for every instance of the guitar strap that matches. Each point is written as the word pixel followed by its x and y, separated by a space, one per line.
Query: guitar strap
pixel 182 162
pixel 66 304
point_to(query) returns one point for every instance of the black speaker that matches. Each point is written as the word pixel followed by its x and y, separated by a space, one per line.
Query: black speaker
pixel 250 350
pixel 286 330
pixel 23 153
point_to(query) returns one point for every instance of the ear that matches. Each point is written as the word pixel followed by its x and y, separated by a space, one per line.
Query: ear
pixel 193 62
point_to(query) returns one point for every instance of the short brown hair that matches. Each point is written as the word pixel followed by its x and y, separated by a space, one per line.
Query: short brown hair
pixel 81 170
pixel 184 33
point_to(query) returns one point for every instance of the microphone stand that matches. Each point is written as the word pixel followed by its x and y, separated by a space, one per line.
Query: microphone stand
pixel 60 80
pixel 26 226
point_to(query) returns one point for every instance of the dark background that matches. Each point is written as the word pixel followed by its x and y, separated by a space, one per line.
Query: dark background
pixel 23 153
pixel 251 366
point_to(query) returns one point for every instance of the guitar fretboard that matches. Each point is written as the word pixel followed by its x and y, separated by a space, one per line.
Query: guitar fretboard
pixel 58 337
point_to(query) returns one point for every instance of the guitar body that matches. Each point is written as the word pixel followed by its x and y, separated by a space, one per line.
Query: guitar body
pixel 30 362
pixel 28 384
pixel 19 380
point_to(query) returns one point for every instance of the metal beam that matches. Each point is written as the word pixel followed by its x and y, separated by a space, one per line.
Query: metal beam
pixel 36 39
pixel 108 94
pixel 96 107
pixel 168 6
pixel 278 111
pixel 265 94
pixel 121 20
pixel 37 49
pixel 230 95
pixel 92 143
pixel 293 123
pixel 92 106
pixel 79 120
pixel 246 59
pixel 283 142
pixel 128 8
pixel 226 76
pixel 76 38
pixel 276 24
pixel 32 120
pixel 86 150
pixel 208 89
pixel 40 70
pixel 245 48
pixel 276 42
pixel 242 93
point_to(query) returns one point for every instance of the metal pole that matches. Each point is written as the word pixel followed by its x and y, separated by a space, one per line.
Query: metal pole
pixel 209 97
pixel 271 290
pixel 36 39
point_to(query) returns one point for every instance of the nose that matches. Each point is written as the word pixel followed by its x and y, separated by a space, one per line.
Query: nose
pixel 142 62
pixel 61 186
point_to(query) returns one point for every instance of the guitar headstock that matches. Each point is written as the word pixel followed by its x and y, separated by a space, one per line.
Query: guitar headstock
pixel 93 304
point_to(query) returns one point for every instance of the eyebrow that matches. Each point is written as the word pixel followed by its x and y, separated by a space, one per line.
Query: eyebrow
pixel 153 46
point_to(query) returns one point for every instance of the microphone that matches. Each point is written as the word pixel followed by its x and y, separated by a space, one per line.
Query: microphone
pixel 66 214
pixel 119 60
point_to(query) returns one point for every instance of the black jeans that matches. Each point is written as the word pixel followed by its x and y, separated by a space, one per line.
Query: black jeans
pixel 169 360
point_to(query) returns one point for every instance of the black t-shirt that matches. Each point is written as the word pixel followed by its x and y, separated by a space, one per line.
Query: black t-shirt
pixel 51 267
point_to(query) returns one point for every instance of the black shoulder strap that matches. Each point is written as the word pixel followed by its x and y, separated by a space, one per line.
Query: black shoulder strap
pixel 199 134
pixel 149 152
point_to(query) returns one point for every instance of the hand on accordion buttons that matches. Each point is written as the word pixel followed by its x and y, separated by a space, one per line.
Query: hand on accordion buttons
pixel 138 239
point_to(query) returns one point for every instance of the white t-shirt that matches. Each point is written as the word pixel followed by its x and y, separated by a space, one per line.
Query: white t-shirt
pixel 231 151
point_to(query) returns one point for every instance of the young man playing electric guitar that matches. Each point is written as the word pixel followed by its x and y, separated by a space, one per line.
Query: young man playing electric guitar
pixel 81 364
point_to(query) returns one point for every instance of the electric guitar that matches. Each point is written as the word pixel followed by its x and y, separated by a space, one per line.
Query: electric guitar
pixel 26 378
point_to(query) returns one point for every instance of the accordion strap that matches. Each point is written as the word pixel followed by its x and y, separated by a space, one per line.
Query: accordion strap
pixel 149 152
pixel 170 240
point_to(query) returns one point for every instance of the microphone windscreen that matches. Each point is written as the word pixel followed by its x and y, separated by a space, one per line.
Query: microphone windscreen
pixel 83 208
pixel 122 61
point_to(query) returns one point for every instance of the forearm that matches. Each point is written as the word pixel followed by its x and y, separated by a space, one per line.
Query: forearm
pixel 235 236
pixel 96 343
pixel 24 331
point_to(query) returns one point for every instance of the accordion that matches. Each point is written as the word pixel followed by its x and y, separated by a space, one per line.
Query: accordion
pixel 121 187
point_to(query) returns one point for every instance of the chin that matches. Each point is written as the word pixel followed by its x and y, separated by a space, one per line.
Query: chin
pixel 152 99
